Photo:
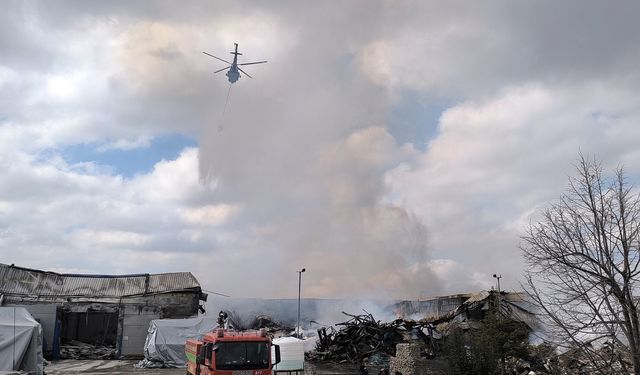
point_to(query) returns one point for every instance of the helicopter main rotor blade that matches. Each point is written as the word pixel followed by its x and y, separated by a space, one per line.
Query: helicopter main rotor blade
pixel 216 57
pixel 245 73
pixel 251 63
pixel 218 71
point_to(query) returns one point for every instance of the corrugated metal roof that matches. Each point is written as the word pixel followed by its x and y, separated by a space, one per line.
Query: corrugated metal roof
pixel 24 281
pixel 478 297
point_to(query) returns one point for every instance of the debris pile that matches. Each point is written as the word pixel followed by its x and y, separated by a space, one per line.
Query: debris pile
pixel 273 327
pixel 80 350
pixel 358 338
pixel 607 359
pixel 147 363
pixel 232 319
pixel 543 359
pixel 362 339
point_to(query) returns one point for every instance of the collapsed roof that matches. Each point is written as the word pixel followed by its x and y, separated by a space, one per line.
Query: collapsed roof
pixel 464 307
pixel 46 285
pixel 513 305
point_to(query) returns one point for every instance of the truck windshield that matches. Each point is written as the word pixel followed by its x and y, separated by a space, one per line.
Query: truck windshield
pixel 242 355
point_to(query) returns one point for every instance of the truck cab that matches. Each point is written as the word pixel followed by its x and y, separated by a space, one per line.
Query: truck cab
pixel 226 352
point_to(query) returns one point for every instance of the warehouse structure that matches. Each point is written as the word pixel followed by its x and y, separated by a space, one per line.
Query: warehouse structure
pixel 101 310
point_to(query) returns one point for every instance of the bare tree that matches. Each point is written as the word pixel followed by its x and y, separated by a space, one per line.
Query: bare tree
pixel 584 264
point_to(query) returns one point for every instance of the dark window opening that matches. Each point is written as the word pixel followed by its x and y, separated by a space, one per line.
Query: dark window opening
pixel 97 328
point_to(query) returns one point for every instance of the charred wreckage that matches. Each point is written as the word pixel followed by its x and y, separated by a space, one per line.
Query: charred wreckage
pixel 407 345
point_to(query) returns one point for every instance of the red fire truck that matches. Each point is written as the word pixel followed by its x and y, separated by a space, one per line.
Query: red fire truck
pixel 227 352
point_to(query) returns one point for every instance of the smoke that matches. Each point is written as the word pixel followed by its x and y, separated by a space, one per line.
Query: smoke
pixel 314 313
pixel 323 209
pixel 304 156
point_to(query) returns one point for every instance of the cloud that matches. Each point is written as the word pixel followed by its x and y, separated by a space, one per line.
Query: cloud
pixel 49 209
pixel 462 49
pixel 306 171
pixel 108 239
pixel 495 162
pixel 210 215
pixel 125 144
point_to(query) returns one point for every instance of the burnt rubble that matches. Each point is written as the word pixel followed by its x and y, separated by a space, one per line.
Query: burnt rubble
pixel 80 350
pixel 416 346
pixel 364 340
pixel 357 339
pixel 273 327
pixel 606 359
pixel 362 336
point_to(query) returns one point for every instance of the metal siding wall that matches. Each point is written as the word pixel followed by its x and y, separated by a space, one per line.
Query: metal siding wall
pixel 135 327
pixel 137 318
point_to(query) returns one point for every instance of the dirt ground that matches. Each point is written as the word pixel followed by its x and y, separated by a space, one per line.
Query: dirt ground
pixel 115 367
pixel 96 367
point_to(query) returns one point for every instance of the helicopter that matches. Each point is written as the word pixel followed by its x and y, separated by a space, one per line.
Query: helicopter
pixel 234 68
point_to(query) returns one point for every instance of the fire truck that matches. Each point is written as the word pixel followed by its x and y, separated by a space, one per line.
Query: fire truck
pixel 228 352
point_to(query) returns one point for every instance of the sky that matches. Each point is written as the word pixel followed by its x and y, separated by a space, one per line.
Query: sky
pixel 395 149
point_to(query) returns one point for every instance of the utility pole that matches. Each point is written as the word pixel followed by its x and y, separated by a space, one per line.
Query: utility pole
pixel 499 311
pixel 299 289
pixel 498 277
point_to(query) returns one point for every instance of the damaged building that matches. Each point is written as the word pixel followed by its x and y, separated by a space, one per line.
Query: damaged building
pixel 468 307
pixel 419 331
pixel 434 307
pixel 99 310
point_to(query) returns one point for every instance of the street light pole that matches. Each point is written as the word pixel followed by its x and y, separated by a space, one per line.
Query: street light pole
pixel 498 277
pixel 499 311
pixel 299 289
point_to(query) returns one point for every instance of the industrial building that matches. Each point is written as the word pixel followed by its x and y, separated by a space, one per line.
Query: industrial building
pixel 469 307
pixel 101 310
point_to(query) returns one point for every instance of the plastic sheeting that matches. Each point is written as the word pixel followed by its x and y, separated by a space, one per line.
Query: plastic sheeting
pixel 164 346
pixel 20 341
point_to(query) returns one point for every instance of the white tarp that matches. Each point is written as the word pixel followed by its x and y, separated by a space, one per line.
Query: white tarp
pixel 20 341
pixel 164 346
